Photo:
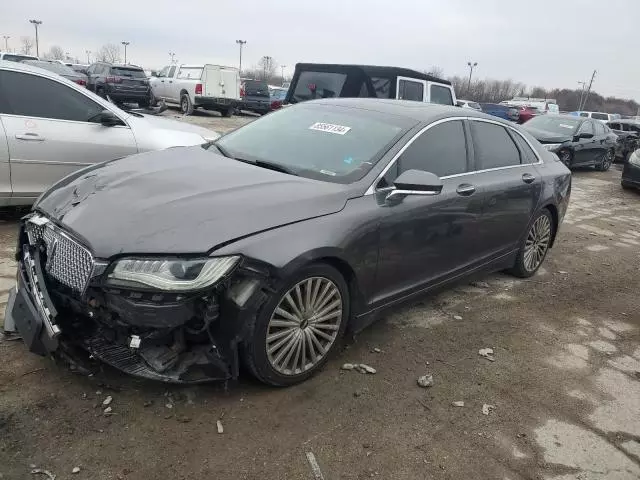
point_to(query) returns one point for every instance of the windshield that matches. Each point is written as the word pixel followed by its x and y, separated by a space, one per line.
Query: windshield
pixel 562 125
pixel 326 142
pixel 128 72
pixel 256 88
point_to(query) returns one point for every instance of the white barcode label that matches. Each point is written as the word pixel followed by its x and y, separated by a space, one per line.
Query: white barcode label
pixel 330 128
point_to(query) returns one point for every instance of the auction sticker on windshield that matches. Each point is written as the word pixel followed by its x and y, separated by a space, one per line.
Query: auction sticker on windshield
pixel 330 128
pixel 563 125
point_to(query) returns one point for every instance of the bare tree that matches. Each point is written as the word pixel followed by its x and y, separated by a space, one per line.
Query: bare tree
pixel 55 53
pixel 435 71
pixel 27 44
pixel 268 66
pixel 108 53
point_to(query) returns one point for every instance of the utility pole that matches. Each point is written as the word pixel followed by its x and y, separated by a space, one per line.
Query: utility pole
pixel 88 52
pixel 125 50
pixel 586 97
pixel 242 44
pixel 584 84
pixel 282 67
pixel 172 55
pixel 35 24
pixel 6 42
pixel 471 67
pixel 266 65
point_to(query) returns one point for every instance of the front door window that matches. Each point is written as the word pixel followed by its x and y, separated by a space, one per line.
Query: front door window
pixel 411 90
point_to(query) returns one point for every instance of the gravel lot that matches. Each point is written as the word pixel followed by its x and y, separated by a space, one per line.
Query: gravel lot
pixel 565 383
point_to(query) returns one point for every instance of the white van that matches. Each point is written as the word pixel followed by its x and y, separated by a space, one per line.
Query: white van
pixel 602 116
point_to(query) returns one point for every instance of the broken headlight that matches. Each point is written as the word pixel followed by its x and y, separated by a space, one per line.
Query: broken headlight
pixel 171 275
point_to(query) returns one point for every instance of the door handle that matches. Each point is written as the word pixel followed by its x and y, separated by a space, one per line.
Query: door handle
pixel 33 137
pixel 465 189
pixel 528 178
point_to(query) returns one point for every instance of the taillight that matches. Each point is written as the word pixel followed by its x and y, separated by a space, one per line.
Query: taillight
pixel 198 89
pixel 113 80
pixel 276 104
pixel 242 90
pixel 81 82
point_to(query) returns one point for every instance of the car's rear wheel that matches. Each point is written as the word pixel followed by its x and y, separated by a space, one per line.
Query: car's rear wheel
pixel 626 185
pixel 607 160
pixel 566 157
pixel 535 246
pixel 186 107
pixel 299 326
pixel 100 92
pixel 227 112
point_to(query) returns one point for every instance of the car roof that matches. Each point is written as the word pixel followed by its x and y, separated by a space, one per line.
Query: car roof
pixel 370 70
pixel 420 111
pixel 565 115
pixel 24 67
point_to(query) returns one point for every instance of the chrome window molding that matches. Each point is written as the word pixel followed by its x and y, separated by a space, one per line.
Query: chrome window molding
pixel 50 162
pixel 372 188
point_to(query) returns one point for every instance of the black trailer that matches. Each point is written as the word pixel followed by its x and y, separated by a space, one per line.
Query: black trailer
pixel 322 80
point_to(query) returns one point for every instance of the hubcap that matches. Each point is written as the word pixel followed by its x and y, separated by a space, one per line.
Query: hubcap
pixel 537 243
pixel 565 158
pixel 304 326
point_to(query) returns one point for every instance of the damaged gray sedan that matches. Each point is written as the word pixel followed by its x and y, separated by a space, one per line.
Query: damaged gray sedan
pixel 262 247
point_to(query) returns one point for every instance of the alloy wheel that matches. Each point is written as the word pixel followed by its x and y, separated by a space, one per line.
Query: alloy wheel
pixel 537 243
pixel 607 160
pixel 304 325
pixel 565 157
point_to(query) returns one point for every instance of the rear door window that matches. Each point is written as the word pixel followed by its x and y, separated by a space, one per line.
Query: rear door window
pixel 586 127
pixel 441 150
pixel 128 72
pixel 188 73
pixel 493 146
pixel 256 88
pixel 410 90
pixel 382 86
pixel 312 85
pixel 600 129
pixel 441 95
pixel 526 153
pixel 584 114
pixel 600 116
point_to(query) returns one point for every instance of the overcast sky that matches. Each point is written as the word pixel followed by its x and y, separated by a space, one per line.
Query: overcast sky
pixel 549 43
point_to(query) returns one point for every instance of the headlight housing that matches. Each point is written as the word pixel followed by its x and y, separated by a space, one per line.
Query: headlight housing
pixel 552 147
pixel 170 275
pixel 634 158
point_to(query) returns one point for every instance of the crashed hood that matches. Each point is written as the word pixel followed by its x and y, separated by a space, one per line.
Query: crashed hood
pixel 181 200
pixel 544 136
pixel 154 122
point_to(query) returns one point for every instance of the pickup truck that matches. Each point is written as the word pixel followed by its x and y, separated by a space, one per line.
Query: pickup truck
pixel 212 87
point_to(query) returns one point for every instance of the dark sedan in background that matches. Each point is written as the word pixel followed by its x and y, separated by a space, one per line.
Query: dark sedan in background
pixel 265 245
pixel 631 171
pixel 62 70
pixel 579 142
pixel 628 132
pixel 506 112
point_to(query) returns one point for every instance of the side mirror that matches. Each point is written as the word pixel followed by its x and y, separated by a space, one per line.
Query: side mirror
pixel 106 118
pixel 584 135
pixel 415 182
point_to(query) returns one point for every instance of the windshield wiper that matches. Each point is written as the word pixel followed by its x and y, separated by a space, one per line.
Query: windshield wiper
pixel 222 150
pixel 273 166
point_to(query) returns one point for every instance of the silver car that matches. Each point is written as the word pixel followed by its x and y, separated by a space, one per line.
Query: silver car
pixel 50 127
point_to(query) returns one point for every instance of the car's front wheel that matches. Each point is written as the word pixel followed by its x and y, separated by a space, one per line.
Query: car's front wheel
pixel 299 326
pixel 535 246
pixel 565 157
pixel 607 160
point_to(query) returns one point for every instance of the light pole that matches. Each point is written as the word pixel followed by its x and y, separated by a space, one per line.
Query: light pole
pixel 35 24
pixel 282 67
pixel 125 50
pixel 88 52
pixel 242 44
pixel 6 42
pixel 584 84
pixel 266 65
pixel 471 67
pixel 172 55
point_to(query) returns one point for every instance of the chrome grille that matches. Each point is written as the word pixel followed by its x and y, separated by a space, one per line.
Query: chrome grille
pixel 67 260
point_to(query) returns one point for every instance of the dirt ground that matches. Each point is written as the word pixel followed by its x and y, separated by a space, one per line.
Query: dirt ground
pixel 564 386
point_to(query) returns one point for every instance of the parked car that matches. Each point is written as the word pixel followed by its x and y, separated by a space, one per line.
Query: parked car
pixel 277 96
pixel 50 127
pixel 577 141
pixel 469 104
pixel 16 57
pixel 315 80
pixel 506 112
pixel 542 105
pixel 175 265
pixel 120 83
pixel 254 96
pixel 628 132
pixel 211 87
pixel 526 113
pixel 62 70
pixel 631 171
pixel 603 117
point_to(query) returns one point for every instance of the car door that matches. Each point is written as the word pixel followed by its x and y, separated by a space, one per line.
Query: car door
pixel 440 94
pixel 158 83
pixel 585 149
pixel 170 89
pixel 601 141
pixel 424 239
pixel 49 134
pixel 511 185
pixel 411 89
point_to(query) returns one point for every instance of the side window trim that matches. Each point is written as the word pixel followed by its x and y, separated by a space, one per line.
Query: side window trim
pixel 466 121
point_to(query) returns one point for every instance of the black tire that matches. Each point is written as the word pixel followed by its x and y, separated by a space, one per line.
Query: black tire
pixel 626 185
pixel 520 268
pixel 144 103
pixel 227 112
pixel 186 107
pixel 607 160
pixel 566 157
pixel 153 101
pixel 254 349
pixel 100 92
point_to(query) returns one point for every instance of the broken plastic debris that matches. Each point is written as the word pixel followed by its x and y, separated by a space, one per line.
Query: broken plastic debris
pixel 134 341
pixel 487 409
pixel 367 368
pixel 75 470
pixel 107 410
pixel 459 403
pixel 40 471
pixel 457 317
pixel 348 366
pixel 425 381
pixel 219 426
pixel 487 353
pixel 107 401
